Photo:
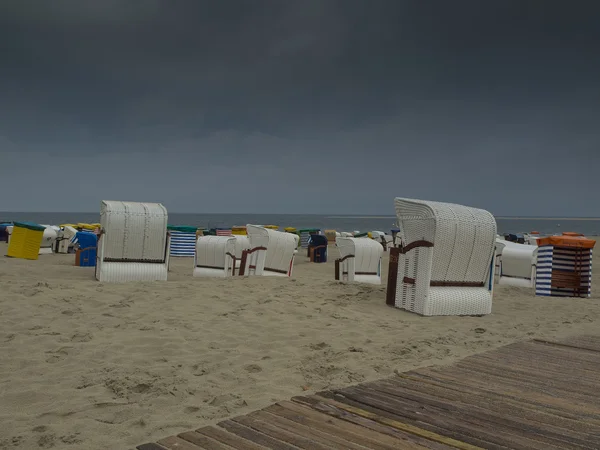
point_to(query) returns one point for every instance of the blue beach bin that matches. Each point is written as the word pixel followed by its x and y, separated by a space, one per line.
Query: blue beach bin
pixel 317 248
pixel 86 253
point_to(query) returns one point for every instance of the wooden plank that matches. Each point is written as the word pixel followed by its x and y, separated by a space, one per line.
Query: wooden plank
pixel 439 431
pixel 454 407
pixel 539 370
pixel 566 353
pixel 543 401
pixel 590 343
pixel 573 422
pixel 255 436
pixel 554 395
pixel 203 441
pixel 533 421
pixel 251 421
pixel 337 435
pixel 541 364
pixel 224 437
pixel 531 379
pixel 176 443
pixel 480 376
pixel 333 407
pixel 327 440
pixel 462 427
pixel 360 433
pixel 150 446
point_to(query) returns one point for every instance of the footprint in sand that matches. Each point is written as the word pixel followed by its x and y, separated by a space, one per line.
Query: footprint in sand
pixel 46 440
pixel 57 355
pixel 319 346
pixel 253 368
pixel 81 337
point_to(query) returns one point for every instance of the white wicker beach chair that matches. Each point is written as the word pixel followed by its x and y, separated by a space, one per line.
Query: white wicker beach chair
pixel 360 260
pixel 133 243
pixel 65 239
pixel 446 261
pixel 242 242
pixel 271 253
pixel 48 240
pixel 515 264
pixel 215 256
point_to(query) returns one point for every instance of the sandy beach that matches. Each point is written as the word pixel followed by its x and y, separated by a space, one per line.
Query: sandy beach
pixel 99 366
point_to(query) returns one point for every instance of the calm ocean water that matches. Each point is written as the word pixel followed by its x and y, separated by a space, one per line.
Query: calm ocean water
pixel 590 227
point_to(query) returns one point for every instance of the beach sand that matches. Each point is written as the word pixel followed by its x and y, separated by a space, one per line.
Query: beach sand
pixel 100 366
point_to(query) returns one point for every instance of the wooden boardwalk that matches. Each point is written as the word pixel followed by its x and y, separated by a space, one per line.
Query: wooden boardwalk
pixel 529 395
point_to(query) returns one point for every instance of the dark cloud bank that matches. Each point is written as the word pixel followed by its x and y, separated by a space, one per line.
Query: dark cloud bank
pixel 313 106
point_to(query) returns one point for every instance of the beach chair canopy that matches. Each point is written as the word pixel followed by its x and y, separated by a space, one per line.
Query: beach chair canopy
pixel 134 245
pixel 134 231
pixel 446 259
pixel 360 260
pixel 214 256
pixel 516 263
pixel 278 257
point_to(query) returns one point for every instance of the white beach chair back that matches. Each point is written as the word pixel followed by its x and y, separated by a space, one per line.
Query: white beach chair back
pixel 65 239
pixel 446 262
pixel 134 243
pixel 515 264
pixel 214 256
pixel 241 243
pixel 48 239
pixel 271 253
pixel 360 260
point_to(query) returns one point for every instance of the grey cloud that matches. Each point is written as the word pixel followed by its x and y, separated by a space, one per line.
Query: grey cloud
pixel 346 102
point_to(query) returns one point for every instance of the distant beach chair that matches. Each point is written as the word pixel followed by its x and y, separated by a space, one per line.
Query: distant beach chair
pixel 515 264
pixel 48 239
pixel 65 239
pixel 317 248
pixel 242 243
pixel 271 253
pixel 360 260
pixel 183 240
pixel 134 244
pixel 214 256
pixel 445 265
pixel 564 266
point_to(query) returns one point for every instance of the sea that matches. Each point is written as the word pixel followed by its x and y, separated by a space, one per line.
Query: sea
pixel 544 225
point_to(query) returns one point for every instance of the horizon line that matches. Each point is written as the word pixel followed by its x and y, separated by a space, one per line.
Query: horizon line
pixel 327 216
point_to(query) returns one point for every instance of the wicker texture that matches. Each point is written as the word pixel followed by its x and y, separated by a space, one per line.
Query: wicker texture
pixel 134 245
pixel 460 250
pixel 516 264
pixel 360 260
pixel 134 231
pixel 278 259
pixel 241 243
pixel 213 256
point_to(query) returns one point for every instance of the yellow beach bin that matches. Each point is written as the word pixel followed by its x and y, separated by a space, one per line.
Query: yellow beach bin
pixel 25 240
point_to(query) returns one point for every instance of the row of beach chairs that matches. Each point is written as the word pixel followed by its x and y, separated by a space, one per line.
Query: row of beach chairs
pixel 447 262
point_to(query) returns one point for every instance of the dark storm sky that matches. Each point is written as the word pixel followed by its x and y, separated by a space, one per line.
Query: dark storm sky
pixel 279 106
